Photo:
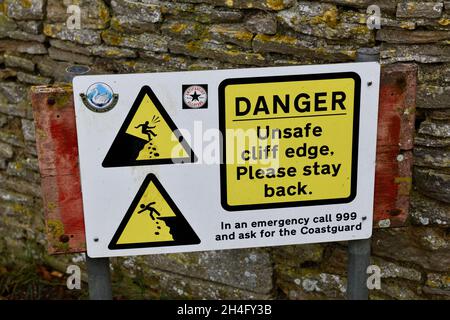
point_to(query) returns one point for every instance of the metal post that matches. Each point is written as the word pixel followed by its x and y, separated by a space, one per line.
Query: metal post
pixel 359 250
pixel 99 274
pixel 99 278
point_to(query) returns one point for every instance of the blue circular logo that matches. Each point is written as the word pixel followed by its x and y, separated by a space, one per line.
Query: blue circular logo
pixel 99 97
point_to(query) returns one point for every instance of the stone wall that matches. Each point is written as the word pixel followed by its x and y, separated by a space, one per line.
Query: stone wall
pixel 118 36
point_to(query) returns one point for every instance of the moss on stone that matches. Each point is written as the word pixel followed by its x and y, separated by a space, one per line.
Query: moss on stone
pixel 26 3
pixel 444 22
pixel 275 4
pixel 114 39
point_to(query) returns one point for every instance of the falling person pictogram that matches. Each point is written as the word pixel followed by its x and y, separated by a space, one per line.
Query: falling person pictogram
pixel 148 136
pixel 147 129
pixel 153 220
pixel 149 207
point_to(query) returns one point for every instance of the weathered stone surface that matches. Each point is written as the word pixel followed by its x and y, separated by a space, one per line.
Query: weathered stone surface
pixel 128 24
pixel 433 183
pixel 443 23
pixel 166 60
pixel 28 130
pixel 184 29
pixel 51 68
pixel 25 10
pixel 211 14
pixel 7 73
pixel 235 34
pixel 430 141
pixel 385 5
pixel 145 12
pixel 178 9
pixel 15 197
pixel 62 55
pixel 82 36
pixel 394 270
pixel 255 4
pixel 439 114
pixel 398 289
pixel 23 46
pixel 24 36
pixel 432 157
pixel 14 92
pixel 16 110
pixel 417 36
pixel 427 211
pixel 431 96
pixel 6 25
pixel 422 246
pixel 3 119
pixel 277 59
pixel 434 73
pixel 261 22
pixel 16 61
pixel 112 52
pixel 70 46
pixel 304 48
pixel 213 50
pixel 11 138
pixel 144 41
pixel 32 79
pixel 303 283
pixel 436 129
pixel 414 9
pixel 425 53
pixel 296 256
pixel 174 286
pixel 322 20
pixel 20 186
pixel 56 11
pixel 6 151
pixel 159 284
pixel 32 27
pixel 207 64
pixel 18 169
pixel 249 269
pixel 439 281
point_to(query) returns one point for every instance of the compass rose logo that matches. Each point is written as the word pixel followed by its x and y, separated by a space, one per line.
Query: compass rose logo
pixel 195 96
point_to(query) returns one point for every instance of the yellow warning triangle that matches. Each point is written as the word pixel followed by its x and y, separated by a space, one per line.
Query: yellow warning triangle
pixel 148 136
pixel 153 220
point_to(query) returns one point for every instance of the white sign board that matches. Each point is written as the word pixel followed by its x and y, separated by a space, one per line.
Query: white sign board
pixel 206 160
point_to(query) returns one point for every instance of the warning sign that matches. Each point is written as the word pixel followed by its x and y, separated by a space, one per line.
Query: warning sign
pixel 283 155
pixel 148 136
pixel 289 141
pixel 153 220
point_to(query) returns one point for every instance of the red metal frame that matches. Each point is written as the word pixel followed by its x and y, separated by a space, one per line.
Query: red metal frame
pixel 56 140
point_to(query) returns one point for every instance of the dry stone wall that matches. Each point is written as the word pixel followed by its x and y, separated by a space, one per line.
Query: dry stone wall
pixel 124 36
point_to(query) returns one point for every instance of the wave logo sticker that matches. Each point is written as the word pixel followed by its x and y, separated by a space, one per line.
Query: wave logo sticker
pixel 99 97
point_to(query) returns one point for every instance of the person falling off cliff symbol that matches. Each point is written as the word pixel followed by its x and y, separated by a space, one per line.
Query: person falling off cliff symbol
pixel 148 207
pixel 146 128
